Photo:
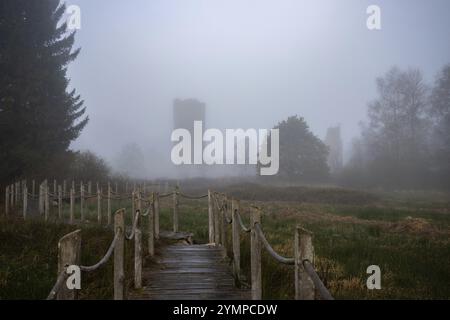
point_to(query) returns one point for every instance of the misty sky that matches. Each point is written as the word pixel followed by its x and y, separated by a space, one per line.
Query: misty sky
pixel 253 63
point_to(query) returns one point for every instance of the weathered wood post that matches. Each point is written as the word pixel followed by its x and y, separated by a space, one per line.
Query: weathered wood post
pixel 64 188
pixel 82 201
pixel 138 254
pixel 47 203
pixel 12 195
pixel 54 187
pixel 69 253
pixel 99 205
pixel 108 211
pixel 7 201
pixel 223 227
pixel 216 214
pixel 235 229
pixel 25 202
pixel 303 250
pixel 60 202
pixel 119 253
pixel 151 227
pixel 156 214
pixel 175 210
pixel 72 204
pixel 17 194
pixel 210 217
pixel 255 245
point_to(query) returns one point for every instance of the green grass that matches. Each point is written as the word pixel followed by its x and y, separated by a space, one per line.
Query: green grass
pixel 405 235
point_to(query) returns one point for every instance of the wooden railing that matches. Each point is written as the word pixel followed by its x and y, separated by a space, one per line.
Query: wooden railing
pixel 223 213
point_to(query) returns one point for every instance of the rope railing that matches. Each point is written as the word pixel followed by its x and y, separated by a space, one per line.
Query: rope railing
pixel 270 250
pixel 219 207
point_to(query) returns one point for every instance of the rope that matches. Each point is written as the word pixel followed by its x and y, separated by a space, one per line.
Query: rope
pixel 276 256
pixel 105 257
pixel 166 195
pixel 192 197
pixel 324 293
pixel 59 281
pixel 133 230
pixel 242 223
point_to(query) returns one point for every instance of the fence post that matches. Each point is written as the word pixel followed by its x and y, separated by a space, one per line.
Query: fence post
pixel 7 201
pixel 99 205
pixel 82 201
pixel 54 187
pixel 59 202
pixel 175 210
pixel 151 228
pixel 210 217
pixel 138 257
pixel 47 203
pixel 25 202
pixel 69 249
pixel 109 205
pixel 255 245
pixel 223 227
pixel 216 214
pixel 303 250
pixel 236 239
pixel 119 252
pixel 72 204
pixel 64 188
pixel 156 214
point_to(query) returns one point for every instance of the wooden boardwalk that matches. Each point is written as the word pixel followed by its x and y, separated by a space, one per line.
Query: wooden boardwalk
pixel 189 272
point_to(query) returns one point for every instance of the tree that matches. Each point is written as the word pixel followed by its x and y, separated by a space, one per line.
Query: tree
pixel 396 134
pixel 131 161
pixel 303 156
pixel 440 112
pixel 87 166
pixel 39 117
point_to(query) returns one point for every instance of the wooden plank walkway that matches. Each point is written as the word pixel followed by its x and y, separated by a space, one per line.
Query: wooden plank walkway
pixel 189 272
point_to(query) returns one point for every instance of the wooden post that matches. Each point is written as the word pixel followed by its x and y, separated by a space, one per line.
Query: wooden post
pixel 255 245
pixel 210 217
pixel 236 228
pixel 119 252
pixel 151 228
pixel 175 210
pixel 223 228
pixel 108 212
pixel 138 258
pixel 72 204
pixel 99 205
pixel 47 203
pixel 59 202
pixel 25 202
pixel 156 214
pixel 73 185
pixel 54 187
pixel 7 201
pixel 82 201
pixel 216 214
pixel 69 253
pixel 41 200
pixel 303 250
pixel 16 196
pixel 64 188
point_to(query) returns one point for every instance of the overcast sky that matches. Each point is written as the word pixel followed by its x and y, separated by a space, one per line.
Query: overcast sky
pixel 253 63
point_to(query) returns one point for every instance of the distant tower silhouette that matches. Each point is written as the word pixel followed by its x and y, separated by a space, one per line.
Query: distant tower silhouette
pixel 185 112
pixel 334 142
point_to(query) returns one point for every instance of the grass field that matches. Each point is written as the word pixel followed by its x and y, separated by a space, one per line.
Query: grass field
pixel 405 233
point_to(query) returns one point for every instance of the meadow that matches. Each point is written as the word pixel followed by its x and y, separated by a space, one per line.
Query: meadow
pixel 405 233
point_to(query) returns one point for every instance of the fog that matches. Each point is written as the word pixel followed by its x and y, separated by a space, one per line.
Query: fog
pixel 253 63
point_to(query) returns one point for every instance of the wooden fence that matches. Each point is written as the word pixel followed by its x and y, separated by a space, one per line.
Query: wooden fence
pixel 224 213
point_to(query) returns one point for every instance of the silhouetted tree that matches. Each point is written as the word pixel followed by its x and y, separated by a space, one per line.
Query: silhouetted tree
pixel 303 156
pixel 440 112
pixel 39 117
pixel 87 166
